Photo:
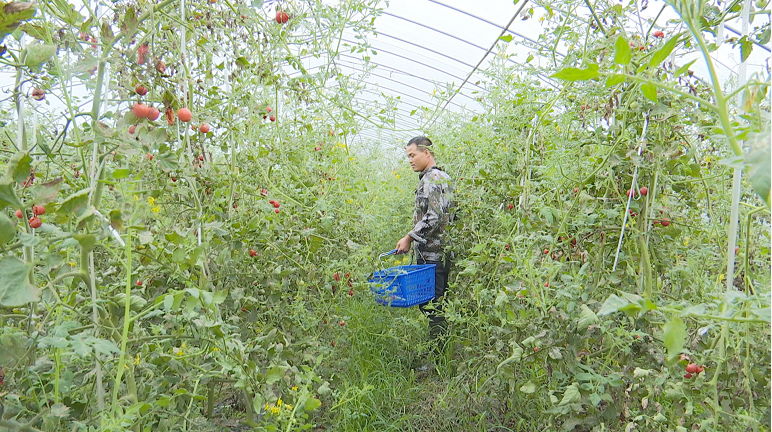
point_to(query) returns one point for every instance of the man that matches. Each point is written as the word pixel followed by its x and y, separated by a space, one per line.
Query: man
pixel 433 205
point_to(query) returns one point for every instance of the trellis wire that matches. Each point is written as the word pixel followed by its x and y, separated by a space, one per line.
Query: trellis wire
pixel 631 193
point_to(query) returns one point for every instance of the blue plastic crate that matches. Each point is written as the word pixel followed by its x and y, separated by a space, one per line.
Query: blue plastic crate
pixel 403 286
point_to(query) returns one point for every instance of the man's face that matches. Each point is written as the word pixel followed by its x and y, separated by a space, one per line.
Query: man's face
pixel 418 158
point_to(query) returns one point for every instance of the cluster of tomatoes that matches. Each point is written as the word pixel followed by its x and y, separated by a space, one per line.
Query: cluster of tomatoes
pixel 34 221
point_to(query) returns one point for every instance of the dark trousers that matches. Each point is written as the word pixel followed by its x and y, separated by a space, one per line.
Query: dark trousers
pixel 438 327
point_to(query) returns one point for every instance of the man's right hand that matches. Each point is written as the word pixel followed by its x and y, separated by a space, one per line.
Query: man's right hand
pixel 403 245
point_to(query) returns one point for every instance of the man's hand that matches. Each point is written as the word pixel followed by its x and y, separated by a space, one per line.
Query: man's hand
pixel 403 245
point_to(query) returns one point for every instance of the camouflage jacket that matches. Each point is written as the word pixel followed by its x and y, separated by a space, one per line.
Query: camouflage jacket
pixel 433 207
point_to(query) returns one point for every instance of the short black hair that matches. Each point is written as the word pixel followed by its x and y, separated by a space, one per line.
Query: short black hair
pixel 420 141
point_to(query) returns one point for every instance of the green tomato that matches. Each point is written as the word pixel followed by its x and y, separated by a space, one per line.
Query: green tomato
pixel 761 4
pixel 635 105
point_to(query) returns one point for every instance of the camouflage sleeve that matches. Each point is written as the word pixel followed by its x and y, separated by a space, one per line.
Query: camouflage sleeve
pixel 434 200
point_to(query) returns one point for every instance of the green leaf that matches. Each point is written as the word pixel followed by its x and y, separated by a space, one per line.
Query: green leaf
pixel 37 54
pixel 661 54
pixel 86 241
pixel 75 203
pixel 757 162
pixel 615 79
pixel 622 52
pixel 312 404
pixel 746 47
pixel 13 14
pixel 571 395
pixel 649 91
pixel 46 192
pixel 8 196
pixel 586 317
pixel 517 354
pixel 19 167
pixel 120 173
pixel 575 74
pixel 675 337
pixel 129 23
pixel 15 289
pixel 7 229
pixel 528 388
pixel 612 304
pixel 507 38
pixel 683 69
pixel 274 374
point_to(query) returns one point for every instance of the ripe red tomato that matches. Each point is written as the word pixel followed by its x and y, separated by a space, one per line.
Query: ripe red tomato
pixel 184 115
pixel 252 253
pixel 277 210
pixel 132 129
pixel 149 156
pixel 630 192
pixel 160 66
pixel 687 375
pixel 691 368
pixel 510 206
pixel 268 109
pixel 35 222
pixel 506 247
pixel 38 210
pixel 342 323
pixel 546 284
pixel 644 191
pixel 277 205
pixel 332 344
pixel 263 192
pixel 19 214
pixel 350 292
pixel 282 17
pixel 140 110
pixel 546 251
pixel 336 276
pixel 535 349
pixel 665 222
pixel 204 128
pixel 153 114
pixel 659 34
pixel 139 283
pixel 141 90
pixel 272 118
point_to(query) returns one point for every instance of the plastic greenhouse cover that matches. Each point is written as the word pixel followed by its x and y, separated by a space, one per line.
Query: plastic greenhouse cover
pixel 427 49
pixel 423 50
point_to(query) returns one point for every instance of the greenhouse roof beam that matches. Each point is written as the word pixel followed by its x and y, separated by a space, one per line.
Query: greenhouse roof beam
pixel 493 45
pixel 426 48
pixel 506 29
pixel 401 83
pixel 470 43
pixel 386 67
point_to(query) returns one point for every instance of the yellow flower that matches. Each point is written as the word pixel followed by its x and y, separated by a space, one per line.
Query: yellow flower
pixel 295 388
pixel 288 406
pixel 136 360
pixel 278 402
pixel 156 209
pixel 72 263
pixel 686 241
pixel 351 158
pixel 398 176
pixel 136 198
pixel 275 410
pixel 707 159
pixel 267 406
pixel 151 200
pixel 215 349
